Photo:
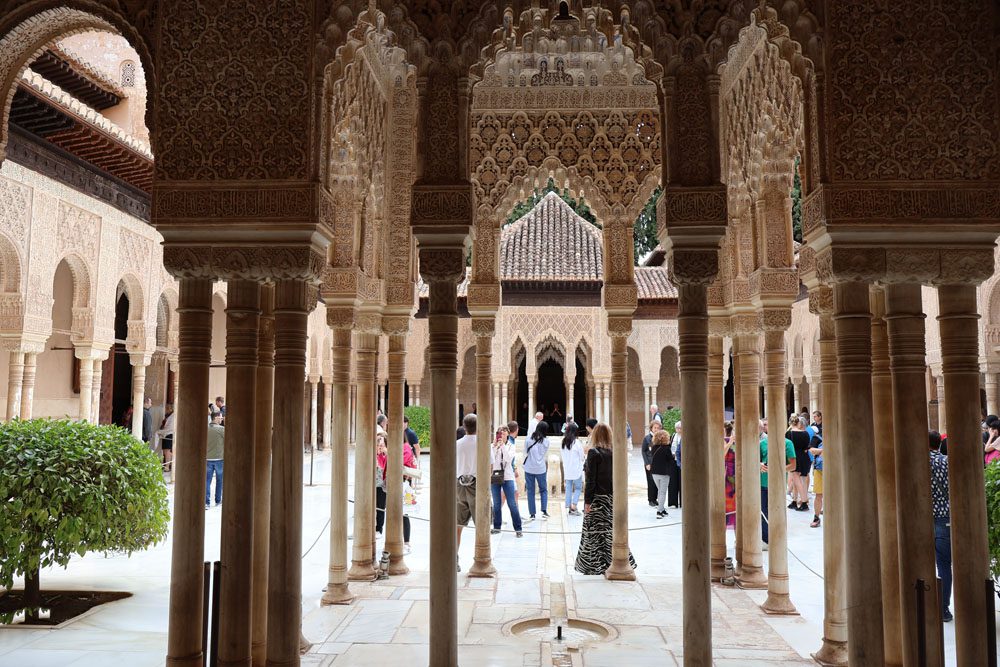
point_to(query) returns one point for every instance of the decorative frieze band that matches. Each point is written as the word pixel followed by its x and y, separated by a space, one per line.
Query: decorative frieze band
pixel 253 200
pixel 925 265
pixel 435 205
pixel 686 206
pixel 244 262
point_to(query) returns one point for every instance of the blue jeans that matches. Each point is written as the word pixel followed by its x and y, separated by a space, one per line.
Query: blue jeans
pixel 573 489
pixel 214 468
pixel 529 484
pixel 509 489
pixel 942 553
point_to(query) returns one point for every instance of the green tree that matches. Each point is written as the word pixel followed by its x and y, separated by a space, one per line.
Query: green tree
pixel 579 206
pixel 644 233
pixel 420 422
pixel 68 488
pixel 797 204
pixel 992 474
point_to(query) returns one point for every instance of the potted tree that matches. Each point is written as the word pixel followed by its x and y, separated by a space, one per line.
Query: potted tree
pixel 68 488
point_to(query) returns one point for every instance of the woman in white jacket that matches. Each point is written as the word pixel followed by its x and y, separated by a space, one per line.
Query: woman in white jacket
pixel 572 461
pixel 501 459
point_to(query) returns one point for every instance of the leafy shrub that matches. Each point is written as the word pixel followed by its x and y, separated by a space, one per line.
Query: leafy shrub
pixel 67 488
pixel 670 416
pixel 420 421
pixel 992 474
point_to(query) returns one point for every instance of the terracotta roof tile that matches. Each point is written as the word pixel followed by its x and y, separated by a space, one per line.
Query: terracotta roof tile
pixel 653 282
pixel 551 242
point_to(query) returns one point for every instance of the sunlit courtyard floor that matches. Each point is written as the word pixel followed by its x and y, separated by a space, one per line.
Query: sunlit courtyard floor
pixel 388 623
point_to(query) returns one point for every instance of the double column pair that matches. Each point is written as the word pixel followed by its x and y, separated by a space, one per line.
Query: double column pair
pixel 21 381
pixel 260 592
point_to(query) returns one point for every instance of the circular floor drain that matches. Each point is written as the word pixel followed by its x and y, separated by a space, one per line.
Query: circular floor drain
pixel 571 631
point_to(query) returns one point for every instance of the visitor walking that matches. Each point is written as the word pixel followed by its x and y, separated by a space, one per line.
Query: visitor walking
pixel 674 498
pixel 992 447
pixel 535 469
pixel 382 487
pixel 213 452
pixel 147 420
pixel 730 457
pixel 647 453
pixel 790 464
pixel 503 481
pixel 413 440
pixel 533 424
pixel 816 453
pixel 220 408
pixel 465 470
pixel 654 414
pixel 572 462
pixel 381 423
pixel 662 467
pixel 166 435
pixel 942 521
pixel 800 439
pixel 596 540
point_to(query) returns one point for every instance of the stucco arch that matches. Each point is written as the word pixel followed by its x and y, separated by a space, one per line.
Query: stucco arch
pixel 10 266
pixel 83 282
pixel 131 286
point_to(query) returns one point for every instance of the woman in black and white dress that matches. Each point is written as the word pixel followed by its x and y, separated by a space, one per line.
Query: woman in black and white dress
pixel 594 555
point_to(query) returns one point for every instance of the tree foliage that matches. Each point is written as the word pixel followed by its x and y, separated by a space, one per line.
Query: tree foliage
pixel 580 207
pixel 644 233
pixel 992 474
pixel 68 488
pixel 420 422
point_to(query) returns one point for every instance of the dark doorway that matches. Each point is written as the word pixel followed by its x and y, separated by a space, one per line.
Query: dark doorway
pixel 121 393
pixel 552 394
pixel 521 413
pixel 580 403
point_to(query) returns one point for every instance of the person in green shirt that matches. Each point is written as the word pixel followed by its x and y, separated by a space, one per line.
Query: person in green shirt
pixel 213 452
pixel 789 465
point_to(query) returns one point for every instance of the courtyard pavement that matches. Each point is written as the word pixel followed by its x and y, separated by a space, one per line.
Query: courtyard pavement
pixel 388 623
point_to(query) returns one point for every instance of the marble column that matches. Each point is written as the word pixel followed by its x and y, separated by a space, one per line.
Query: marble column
pixel 532 408
pixel 354 407
pixel 958 321
pixel 607 403
pixel 497 416
pixel 184 636
pixel 86 386
pixel 693 361
pixel 139 363
pixel 28 384
pixel 914 516
pixel 482 565
pixel 852 317
pixel 293 299
pixel 833 651
pixel 313 411
pixel 337 591
pixel 942 405
pixel 571 399
pixel 442 268
pixel 327 412
pixel 235 595
pixel 885 470
pixel 745 347
pixel 796 397
pixel 990 385
pixel 775 378
pixel 416 394
pixel 716 457
pixel 15 376
pixel 738 468
pixel 620 569
pixel 362 568
pixel 95 394
pixel 263 418
pixel 505 406
pixel 395 327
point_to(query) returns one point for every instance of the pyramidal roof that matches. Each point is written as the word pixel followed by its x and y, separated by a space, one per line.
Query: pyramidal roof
pixel 551 242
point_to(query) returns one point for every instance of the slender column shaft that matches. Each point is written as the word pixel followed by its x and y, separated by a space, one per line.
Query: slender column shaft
pixel 504 410
pixel 571 399
pixel 942 406
pixel 914 516
pixel 775 376
pixel 693 358
pixel 86 389
pixel 967 494
pixel 607 403
pixel 15 376
pixel 95 398
pixel 531 401
pixel 483 563
pixel 354 410
pixel 263 419
pixel 327 409
pixel 991 393
pixel 28 385
pixel 443 361
pixel 852 317
pixel 620 568
pixel 394 458
pixel 337 591
pixel 190 433
pixel 497 417
pixel 366 357
pixel 834 648
pixel 242 322
pixel 716 457
pixel 292 301
pixel 138 397
pixel 885 469
pixel 748 434
pixel 313 413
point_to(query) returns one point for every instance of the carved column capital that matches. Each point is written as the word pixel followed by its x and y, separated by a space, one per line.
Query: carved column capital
pixel 483 327
pixel 395 325
pixel 245 262
pixel 619 327
pixel 821 300
pixel 340 317
pixel 775 319
pixel 442 264
pixel 693 266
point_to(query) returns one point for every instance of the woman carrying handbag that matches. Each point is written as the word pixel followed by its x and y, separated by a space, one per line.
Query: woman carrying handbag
pixel 502 478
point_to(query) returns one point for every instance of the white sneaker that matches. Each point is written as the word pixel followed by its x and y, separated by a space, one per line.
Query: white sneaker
pixel 763 547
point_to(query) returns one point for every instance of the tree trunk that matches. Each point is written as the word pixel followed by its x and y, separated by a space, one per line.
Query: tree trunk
pixel 32 595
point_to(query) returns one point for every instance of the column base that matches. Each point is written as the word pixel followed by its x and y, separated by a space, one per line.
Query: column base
pixel 304 644
pixel 482 569
pixel 779 605
pixel 752 577
pixel 189 661
pixel 361 571
pixel 337 594
pixel 718 570
pixel 620 572
pixel 397 566
pixel 831 654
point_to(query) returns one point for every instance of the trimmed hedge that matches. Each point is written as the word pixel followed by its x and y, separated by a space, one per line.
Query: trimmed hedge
pixel 420 421
pixel 992 474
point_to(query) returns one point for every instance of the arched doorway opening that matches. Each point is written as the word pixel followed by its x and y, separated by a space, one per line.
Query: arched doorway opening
pixel 57 380
pixel 552 393
pixel 121 366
